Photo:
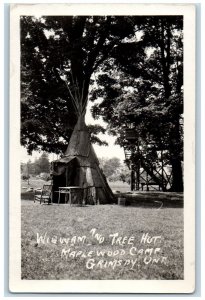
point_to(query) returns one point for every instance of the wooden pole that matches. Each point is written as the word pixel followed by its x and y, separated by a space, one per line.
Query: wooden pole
pixel 28 173
pixel 162 170
pixel 132 178
pixel 138 167
pixel 138 175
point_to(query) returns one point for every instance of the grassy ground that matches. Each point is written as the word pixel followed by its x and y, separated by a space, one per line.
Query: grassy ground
pixel 33 183
pixel 120 186
pixel 45 261
pixel 38 183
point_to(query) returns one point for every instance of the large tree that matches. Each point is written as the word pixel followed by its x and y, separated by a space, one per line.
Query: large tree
pixel 58 57
pixel 146 89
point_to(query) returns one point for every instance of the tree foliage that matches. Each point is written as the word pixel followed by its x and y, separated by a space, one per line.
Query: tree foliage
pixel 40 165
pixel 146 90
pixel 56 50
pixel 114 170
pixel 110 166
pixel 137 62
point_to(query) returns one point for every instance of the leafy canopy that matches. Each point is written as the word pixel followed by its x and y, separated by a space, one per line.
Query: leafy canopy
pixel 58 57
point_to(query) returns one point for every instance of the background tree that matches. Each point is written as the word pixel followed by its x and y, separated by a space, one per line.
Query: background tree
pixel 114 169
pixel 110 166
pixel 43 163
pixel 40 165
pixel 36 167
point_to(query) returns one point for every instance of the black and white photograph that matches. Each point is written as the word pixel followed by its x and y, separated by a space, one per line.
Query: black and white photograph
pixel 102 109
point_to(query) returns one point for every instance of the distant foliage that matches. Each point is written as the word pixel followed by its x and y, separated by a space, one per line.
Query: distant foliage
pixel 114 170
pixel 25 177
pixel 40 165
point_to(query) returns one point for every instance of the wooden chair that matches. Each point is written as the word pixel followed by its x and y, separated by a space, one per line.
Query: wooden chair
pixel 44 194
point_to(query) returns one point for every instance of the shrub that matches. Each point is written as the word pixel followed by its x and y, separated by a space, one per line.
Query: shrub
pixel 25 177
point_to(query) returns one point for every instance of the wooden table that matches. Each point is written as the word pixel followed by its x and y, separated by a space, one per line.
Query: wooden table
pixel 67 190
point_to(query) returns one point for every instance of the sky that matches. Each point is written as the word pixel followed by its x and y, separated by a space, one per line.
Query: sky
pixel 109 151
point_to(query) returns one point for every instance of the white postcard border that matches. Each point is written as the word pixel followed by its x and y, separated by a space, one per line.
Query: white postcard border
pixel 103 286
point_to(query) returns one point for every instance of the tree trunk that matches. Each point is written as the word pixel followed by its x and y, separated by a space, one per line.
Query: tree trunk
pixel 132 181
pixel 177 182
pixel 176 150
pixel 175 143
pixel 165 57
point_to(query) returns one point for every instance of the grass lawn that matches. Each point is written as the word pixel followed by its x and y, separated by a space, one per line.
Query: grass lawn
pixel 33 183
pixel 38 183
pixel 120 186
pixel 73 258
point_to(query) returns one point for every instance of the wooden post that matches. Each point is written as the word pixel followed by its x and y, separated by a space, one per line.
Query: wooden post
pixel 138 176
pixel 28 173
pixel 138 167
pixel 147 181
pixel 132 178
pixel 162 170
pixel 66 180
